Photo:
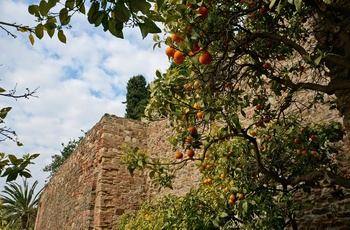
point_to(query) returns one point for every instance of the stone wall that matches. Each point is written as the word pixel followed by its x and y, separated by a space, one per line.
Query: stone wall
pixel 92 189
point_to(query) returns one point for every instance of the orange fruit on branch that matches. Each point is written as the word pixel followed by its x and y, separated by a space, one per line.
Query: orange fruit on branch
pixel 176 38
pixel 192 130
pixel 190 153
pixel 205 58
pixel 170 51
pixel 202 12
pixel 179 57
pixel 178 155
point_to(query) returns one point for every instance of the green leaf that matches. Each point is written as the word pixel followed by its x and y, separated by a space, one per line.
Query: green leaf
pixel 139 5
pixel 148 27
pixel 92 11
pixel 70 4
pixel 159 2
pixel 44 8
pixel 297 4
pixel 12 176
pixel 272 3
pixel 4 112
pixel 115 28
pixel 39 31
pixel 98 17
pixel 50 25
pixel 64 17
pixel 33 156
pixel 31 38
pixel 103 4
pixel 33 9
pixel 61 36
pixel 140 163
pixel 50 29
pixel 235 120
pixel 81 6
pixel 121 13
pixel 318 60
pixel 52 3
pixel 13 159
pixel 25 174
pixel 223 214
pixel 2 90
pixel 245 206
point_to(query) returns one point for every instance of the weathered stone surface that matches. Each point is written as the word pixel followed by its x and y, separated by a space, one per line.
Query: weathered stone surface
pixel 92 189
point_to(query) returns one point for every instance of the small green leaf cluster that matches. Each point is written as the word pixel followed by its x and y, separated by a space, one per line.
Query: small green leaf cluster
pixel 14 167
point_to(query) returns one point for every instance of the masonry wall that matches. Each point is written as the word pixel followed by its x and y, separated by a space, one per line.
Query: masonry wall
pixel 92 189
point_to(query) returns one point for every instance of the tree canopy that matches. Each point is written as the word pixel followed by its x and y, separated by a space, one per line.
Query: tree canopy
pixel 137 97
pixel 20 204
pixel 59 159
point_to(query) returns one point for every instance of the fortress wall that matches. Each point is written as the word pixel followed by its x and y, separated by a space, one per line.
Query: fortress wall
pixel 92 189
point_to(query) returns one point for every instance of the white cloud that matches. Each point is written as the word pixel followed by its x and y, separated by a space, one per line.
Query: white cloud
pixel 79 81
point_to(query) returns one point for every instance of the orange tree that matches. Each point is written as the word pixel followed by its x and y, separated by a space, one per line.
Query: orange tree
pixel 246 78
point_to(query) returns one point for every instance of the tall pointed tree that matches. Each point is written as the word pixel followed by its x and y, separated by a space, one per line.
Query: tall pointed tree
pixel 20 204
pixel 136 97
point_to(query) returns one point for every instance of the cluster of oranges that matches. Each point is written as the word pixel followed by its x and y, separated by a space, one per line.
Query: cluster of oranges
pixel 178 56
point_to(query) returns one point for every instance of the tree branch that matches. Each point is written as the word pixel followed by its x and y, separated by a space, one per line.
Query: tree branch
pixel 331 58
pixel 331 177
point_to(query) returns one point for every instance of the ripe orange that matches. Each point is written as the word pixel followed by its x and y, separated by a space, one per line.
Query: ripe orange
pixel 189 140
pixel 205 58
pixel 170 51
pixel 179 57
pixel 232 197
pixel 197 85
pixel 253 133
pixel 313 152
pixel 190 153
pixel 178 155
pixel 202 12
pixel 192 130
pixel 196 106
pixel 231 201
pixel 176 38
pixel 240 196
pixel 299 151
pixel 200 114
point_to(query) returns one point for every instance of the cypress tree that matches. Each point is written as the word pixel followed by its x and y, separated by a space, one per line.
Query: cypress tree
pixel 136 97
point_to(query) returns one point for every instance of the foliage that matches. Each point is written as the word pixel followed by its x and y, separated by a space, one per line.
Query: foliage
pixel 137 97
pixel 58 160
pixel 245 109
pixel 20 204
pixel 113 16
pixel 10 165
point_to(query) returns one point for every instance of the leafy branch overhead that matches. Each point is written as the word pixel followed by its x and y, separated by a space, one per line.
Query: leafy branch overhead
pixel 10 166
pixel 113 16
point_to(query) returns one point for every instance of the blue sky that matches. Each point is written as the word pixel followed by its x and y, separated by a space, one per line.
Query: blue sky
pixel 78 81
